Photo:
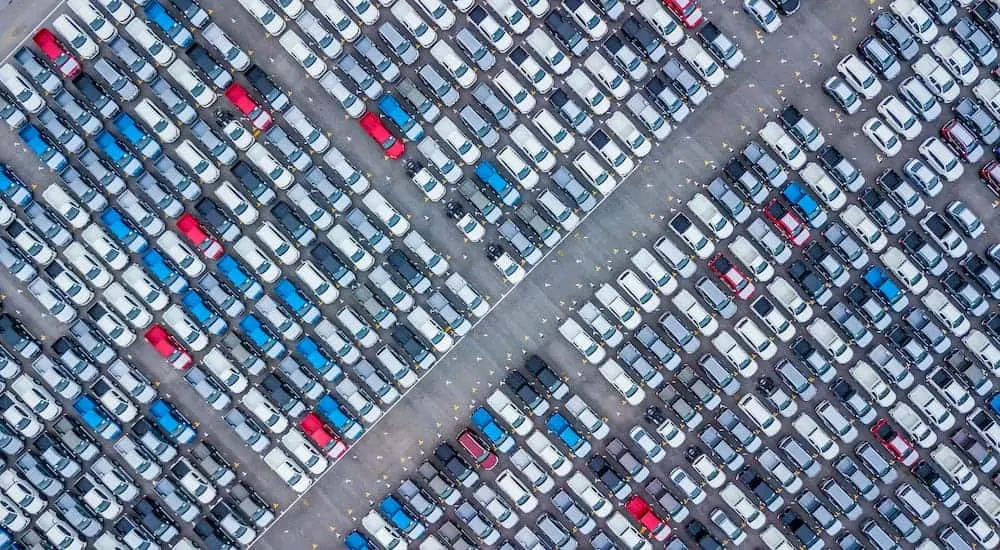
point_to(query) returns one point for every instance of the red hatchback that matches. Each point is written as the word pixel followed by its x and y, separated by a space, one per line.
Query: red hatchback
pixel 323 436
pixel 990 174
pixel 165 345
pixel 206 244
pixel 787 222
pixel 239 97
pixel 687 11
pixel 733 277
pixel 641 512
pixel 483 456
pixel 894 443
pixel 68 65
pixel 372 124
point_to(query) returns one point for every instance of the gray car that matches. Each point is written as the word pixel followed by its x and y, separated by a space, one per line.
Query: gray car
pixel 117 82
pixel 210 391
pixel 246 359
pixel 521 243
pixel 424 107
pixel 842 500
pixel 927 330
pixel 469 43
pixel 175 499
pixel 248 430
pixel 48 224
pixel 571 111
pixel 721 376
pixel 545 232
pixel 480 128
pixel 176 106
pixel 213 144
pixel 863 484
pixel 495 106
pixel 739 430
pixel 367 83
pixel 684 81
pixel 378 311
pixel 453 320
pixel 39 475
pixel 716 298
pixel 845 245
pixel 40 75
pixel 557 535
pixel 795 380
pixel 706 397
pixel 398 44
pixel 637 363
pixel 81 117
pixel 481 201
pixel 651 341
pixel 679 333
pixel 61 130
pixel 566 181
pixel 291 152
pixel 764 164
pixel 77 515
pixel 795 452
pixel 729 200
pixel 441 88
pixel 16 263
pixel 383 65
pixel 420 502
pixel 300 378
pixel 214 465
pixel 133 60
pixel 577 517
pixel 650 118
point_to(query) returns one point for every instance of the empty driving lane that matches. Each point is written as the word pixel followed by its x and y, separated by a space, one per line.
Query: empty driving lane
pixel 789 64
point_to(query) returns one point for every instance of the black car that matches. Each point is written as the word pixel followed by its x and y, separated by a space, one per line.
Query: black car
pixel 125 528
pixel 988 16
pixel 291 222
pixel 412 345
pixel 982 457
pixel 809 281
pixel 854 401
pixel 519 386
pixel 644 38
pixel 888 26
pixel 92 91
pixel 813 359
pixel 267 88
pixel 566 31
pixel 329 261
pixel 941 489
pixel 746 180
pixel 151 516
pixel 454 465
pixel 548 377
pixel 880 57
pixel 785 7
pixel 967 296
pixel 799 528
pixel 982 272
pixel 247 177
pixel 211 536
pixel 759 487
pixel 15 337
pixel 282 394
pixel 216 219
pixel 705 540
pixel 205 61
pixel 974 40
pixel 603 471
pixel 922 252
pixel 841 168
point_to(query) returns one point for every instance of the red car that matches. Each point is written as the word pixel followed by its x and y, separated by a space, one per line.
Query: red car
pixel 167 346
pixel 68 65
pixel 787 222
pixel 323 436
pixel 480 453
pixel 896 444
pixel 640 510
pixel 962 140
pixel 687 11
pixel 372 124
pixel 990 174
pixel 206 244
pixel 733 277
pixel 239 97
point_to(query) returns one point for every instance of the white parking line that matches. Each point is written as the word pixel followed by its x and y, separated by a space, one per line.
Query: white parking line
pixel 32 31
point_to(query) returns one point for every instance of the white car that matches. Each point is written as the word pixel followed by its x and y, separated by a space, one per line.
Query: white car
pixel 187 330
pixel 941 158
pixel 595 502
pixel 689 306
pixel 103 29
pixel 864 228
pixel 595 174
pixel 638 291
pixel 829 340
pixel 464 75
pixel 816 436
pixel 622 382
pixel 574 333
pixel 733 352
pixel 256 259
pixel 654 14
pixel 702 62
pixel 429 329
pixel 759 343
pixel 558 210
pixel 439 13
pixel 882 136
pixel 836 422
pixel 304 451
pixel 522 173
pixel 746 509
pixel 277 243
pixel 780 142
pixel 360 258
pixel 143 287
pixel 272 22
pixel 506 264
pixel 516 491
pixel 954 467
pixel 983 348
pixel 899 117
pixel 602 326
pixel 317 282
pixel 916 19
pixel 551 456
pixel 472 299
pixel 180 253
pixel 225 371
pixel 75 37
pixel 544 46
pixel 510 413
pixel 290 473
pixel 554 131
pixel 68 209
pixel 265 411
pixel 36 397
pixel 409 17
pixel 188 79
pixel 236 203
pixel 760 414
pixel 531 147
pixel 751 258
pixel 149 41
pixel 511 14
pixel 946 312
pixel 269 166
pixel 766 18
pixel 609 77
pixel 899 264
pixel 459 142
pixel 624 312
pixel 119 10
pixel 531 69
pixel 498 508
pixel 709 214
pixel 911 423
pixel 625 533
pixel 932 408
pixel 197 161
pixel 592 423
pixel 688 486
pixel 988 92
pixel 582 85
pixel 859 76
pixel 937 79
pixel 127 305
pixel 157 121
pixel 512 90
pixel 873 384
pixel 954 57
pixel 21 89
pixel 397 224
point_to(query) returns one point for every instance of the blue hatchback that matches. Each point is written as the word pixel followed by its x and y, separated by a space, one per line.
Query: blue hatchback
pixel 885 288
pixel 484 421
pixel 318 359
pixel 293 298
pixel 13 188
pixel 486 172
pixel 334 413
pixel 408 125
pixel 123 231
pixel 164 272
pixel 203 313
pixel 144 143
pixel 560 426
pixel 158 15
pixel 262 338
pixel 231 270
pixel 44 149
pixel 172 422
pixel 805 204
pixel 96 418
pixel 400 518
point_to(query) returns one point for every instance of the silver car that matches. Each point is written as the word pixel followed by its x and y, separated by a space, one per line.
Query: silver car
pixel 398 44
pixel 480 128
pixel 437 83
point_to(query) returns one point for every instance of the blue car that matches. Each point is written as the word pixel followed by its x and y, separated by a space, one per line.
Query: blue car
pixel 164 272
pixel 43 148
pixel 123 231
pixel 113 149
pixel 231 270
pixel 7 541
pixel 13 188
pixel 96 418
pixel 885 288
pixel 203 313
pixel 261 337
pixel 357 541
pixel 995 403
pixel 142 141
pixel 560 426
pixel 172 422
pixel 334 413
pixel 157 15
pixel 292 297
pixel 408 125
pixel 317 358
pixel 393 510
pixel 805 204
pixel 482 419
pixel 486 172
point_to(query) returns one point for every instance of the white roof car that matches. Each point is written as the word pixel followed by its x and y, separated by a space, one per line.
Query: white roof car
pixel 574 333
pixel 529 468
pixel 67 208
pixel 516 491
pixel 459 142
pixel 694 311
pixel 629 134
pixel 264 410
pixel 127 305
pixel 816 436
pixel 290 472
pixel 525 140
pixel 22 90
pixel 103 29
pixel 747 254
pixel 438 11
pixel 157 120
pixel 905 271
pixel 734 353
pixel 544 46
pixel 412 21
pixel 627 534
pixel 911 423
pixel 594 424
pixel 75 37
pixel 119 10
pixel 708 470
pixel 781 143
pixel 937 78
pixel 605 329
pixel 987 91
pixel 932 408
pixel 448 168
pixel 149 41
pixel 197 161
pixel 231 53
pixel 638 291
pixel 864 228
pixel 552 457
pixel 589 495
pixel 916 19
pixel 654 14
pixel 386 212
pixel 947 312
pixel 759 343
pixel 941 158
pixel 188 79
pixel 180 253
pixel 595 100
pixel 37 398
pixel 238 204
pixel 474 301
pixel 859 76
pixel 432 259
pixel 624 312
pixel 608 76
pixel 710 215
pixel 872 383
pixel 531 69
pixel 464 75
pixel 256 259
pixel 622 382
pixel 272 22
pixel 746 509
pixel 983 348
pixel 269 166
pixel 514 92
pixel 317 282
pixel 304 451
pixel 509 413
pixel 225 371
pixel 669 431
pixel 429 329
pixel 899 117
pixel 553 130
pixel 186 329
pixel 515 165
pixel 954 57
pixel 829 340
pixel 96 238
pixel 702 62
pixel 356 326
